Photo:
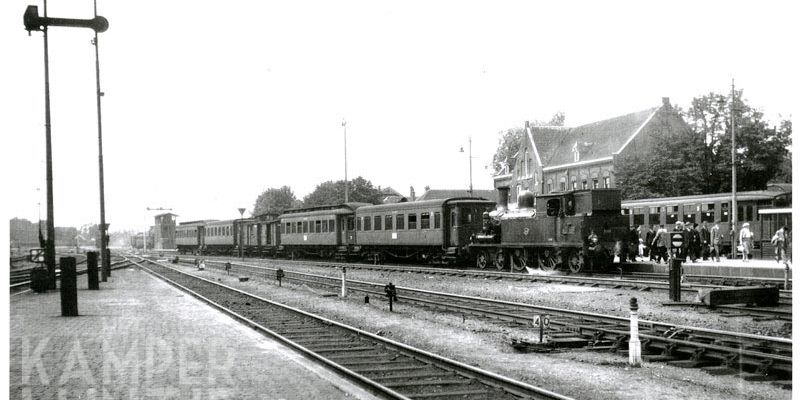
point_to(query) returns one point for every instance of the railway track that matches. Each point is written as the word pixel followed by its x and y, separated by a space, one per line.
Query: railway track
pixel 22 282
pixel 753 357
pixel 603 281
pixel 387 368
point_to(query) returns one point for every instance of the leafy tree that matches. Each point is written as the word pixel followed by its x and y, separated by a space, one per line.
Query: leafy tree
pixel 330 192
pixel 511 140
pixel 699 161
pixel 275 200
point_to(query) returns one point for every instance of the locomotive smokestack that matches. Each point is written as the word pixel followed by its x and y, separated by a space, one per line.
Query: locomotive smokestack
pixel 502 198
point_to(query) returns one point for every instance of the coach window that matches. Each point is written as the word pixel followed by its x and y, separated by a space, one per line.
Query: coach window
pixel 638 216
pixel 412 221
pixel 299 227
pixel 318 226
pixel 358 222
pixel 367 223
pixel 324 225
pixel 672 214
pixel 655 216
pixel 437 220
pixel 723 212
pixel 689 212
pixel 400 222
pixel 425 221
pixel 388 223
pixel 707 212
pixel 331 226
pixel 377 222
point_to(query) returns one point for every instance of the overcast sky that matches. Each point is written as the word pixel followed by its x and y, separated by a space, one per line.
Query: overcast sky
pixel 209 103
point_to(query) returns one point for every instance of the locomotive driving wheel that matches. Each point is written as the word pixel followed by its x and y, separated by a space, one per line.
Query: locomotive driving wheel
pixel 518 261
pixel 548 260
pixel 500 260
pixel 575 261
pixel 482 259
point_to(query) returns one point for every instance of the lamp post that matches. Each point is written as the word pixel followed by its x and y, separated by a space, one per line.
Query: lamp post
pixel 470 164
pixel 241 233
pixel 105 261
pixel 33 22
pixel 734 210
pixel 346 186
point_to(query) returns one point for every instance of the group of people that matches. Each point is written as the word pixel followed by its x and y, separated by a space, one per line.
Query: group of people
pixel 701 242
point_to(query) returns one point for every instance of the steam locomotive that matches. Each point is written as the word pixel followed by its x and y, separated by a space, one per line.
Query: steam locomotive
pixel 575 230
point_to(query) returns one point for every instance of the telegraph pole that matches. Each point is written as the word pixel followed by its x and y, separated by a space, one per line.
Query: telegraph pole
pixel 734 209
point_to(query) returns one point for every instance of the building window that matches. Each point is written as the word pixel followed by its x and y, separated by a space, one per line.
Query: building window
pixel 412 221
pixel 595 183
pixel 574 185
pixel 584 184
pixel 562 186
pixel 576 155
pixel 437 220
pixel 401 222
pixel 606 182
pixel 425 221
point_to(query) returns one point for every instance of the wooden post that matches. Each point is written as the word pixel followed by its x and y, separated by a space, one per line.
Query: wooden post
pixel 69 287
pixel 91 270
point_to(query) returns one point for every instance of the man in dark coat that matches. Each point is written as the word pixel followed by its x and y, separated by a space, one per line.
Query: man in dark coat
pixel 648 242
pixel 693 242
pixel 705 240
pixel 632 243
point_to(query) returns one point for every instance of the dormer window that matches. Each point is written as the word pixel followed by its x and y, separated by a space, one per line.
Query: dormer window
pixel 576 155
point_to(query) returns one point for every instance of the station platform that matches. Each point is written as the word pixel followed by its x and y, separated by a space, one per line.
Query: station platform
pixel 140 338
pixel 723 267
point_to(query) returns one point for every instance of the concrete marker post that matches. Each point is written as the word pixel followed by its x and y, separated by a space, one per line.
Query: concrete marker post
pixel 634 345
pixel 786 275
pixel 91 270
pixel 344 281
pixel 69 287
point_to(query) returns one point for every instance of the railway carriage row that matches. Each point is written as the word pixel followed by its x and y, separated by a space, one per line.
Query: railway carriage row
pixel 574 230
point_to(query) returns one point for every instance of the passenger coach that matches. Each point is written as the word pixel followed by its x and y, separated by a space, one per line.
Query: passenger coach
pixel 709 208
pixel 322 231
pixel 428 231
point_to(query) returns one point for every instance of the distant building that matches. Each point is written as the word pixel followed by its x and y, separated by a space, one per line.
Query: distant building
pixel 389 196
pixel 559 158
pixel 164 231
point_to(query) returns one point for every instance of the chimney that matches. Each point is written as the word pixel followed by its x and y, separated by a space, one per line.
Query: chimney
pixel 412 195
pixel 665 101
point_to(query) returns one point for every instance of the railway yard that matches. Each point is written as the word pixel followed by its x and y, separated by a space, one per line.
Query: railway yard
pixel 469 333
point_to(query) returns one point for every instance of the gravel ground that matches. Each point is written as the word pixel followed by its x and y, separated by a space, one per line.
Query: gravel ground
pixel 598 300
pixel 578 374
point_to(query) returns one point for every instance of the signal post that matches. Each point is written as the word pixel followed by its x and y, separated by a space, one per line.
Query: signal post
pixel 677 255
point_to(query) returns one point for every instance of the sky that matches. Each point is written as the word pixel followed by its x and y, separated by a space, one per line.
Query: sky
pixel 207 104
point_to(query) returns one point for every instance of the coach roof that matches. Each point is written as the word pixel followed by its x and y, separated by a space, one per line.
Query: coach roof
pixel 417 205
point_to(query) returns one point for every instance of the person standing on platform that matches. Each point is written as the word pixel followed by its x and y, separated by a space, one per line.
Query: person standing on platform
pixel 705 240
pixel 692 240
pixel 781 240
pixel 633 242
pixel 649 250
pixel 715 240
pixel 746 241
pixel 660 244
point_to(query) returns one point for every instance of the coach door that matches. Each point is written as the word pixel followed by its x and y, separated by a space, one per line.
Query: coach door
pixel 452 224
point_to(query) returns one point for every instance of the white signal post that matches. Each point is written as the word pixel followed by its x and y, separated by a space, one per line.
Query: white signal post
pixel 344 281
pixel 634 345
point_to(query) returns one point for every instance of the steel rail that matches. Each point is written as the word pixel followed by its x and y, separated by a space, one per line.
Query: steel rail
pixel 517 388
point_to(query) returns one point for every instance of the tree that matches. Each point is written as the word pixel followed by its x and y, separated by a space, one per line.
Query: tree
pixel 698 161
pixel 330 192
pixel 275 200
pixel 511 140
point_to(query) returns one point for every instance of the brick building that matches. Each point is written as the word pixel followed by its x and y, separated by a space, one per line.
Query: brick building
pixel 163 231
pixel 560 158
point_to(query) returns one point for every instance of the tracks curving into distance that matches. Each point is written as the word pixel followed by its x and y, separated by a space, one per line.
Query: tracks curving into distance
pixel 386 367
pixel 754 357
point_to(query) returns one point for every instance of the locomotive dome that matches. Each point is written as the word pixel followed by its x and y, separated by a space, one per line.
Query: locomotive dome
pixel 525 200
